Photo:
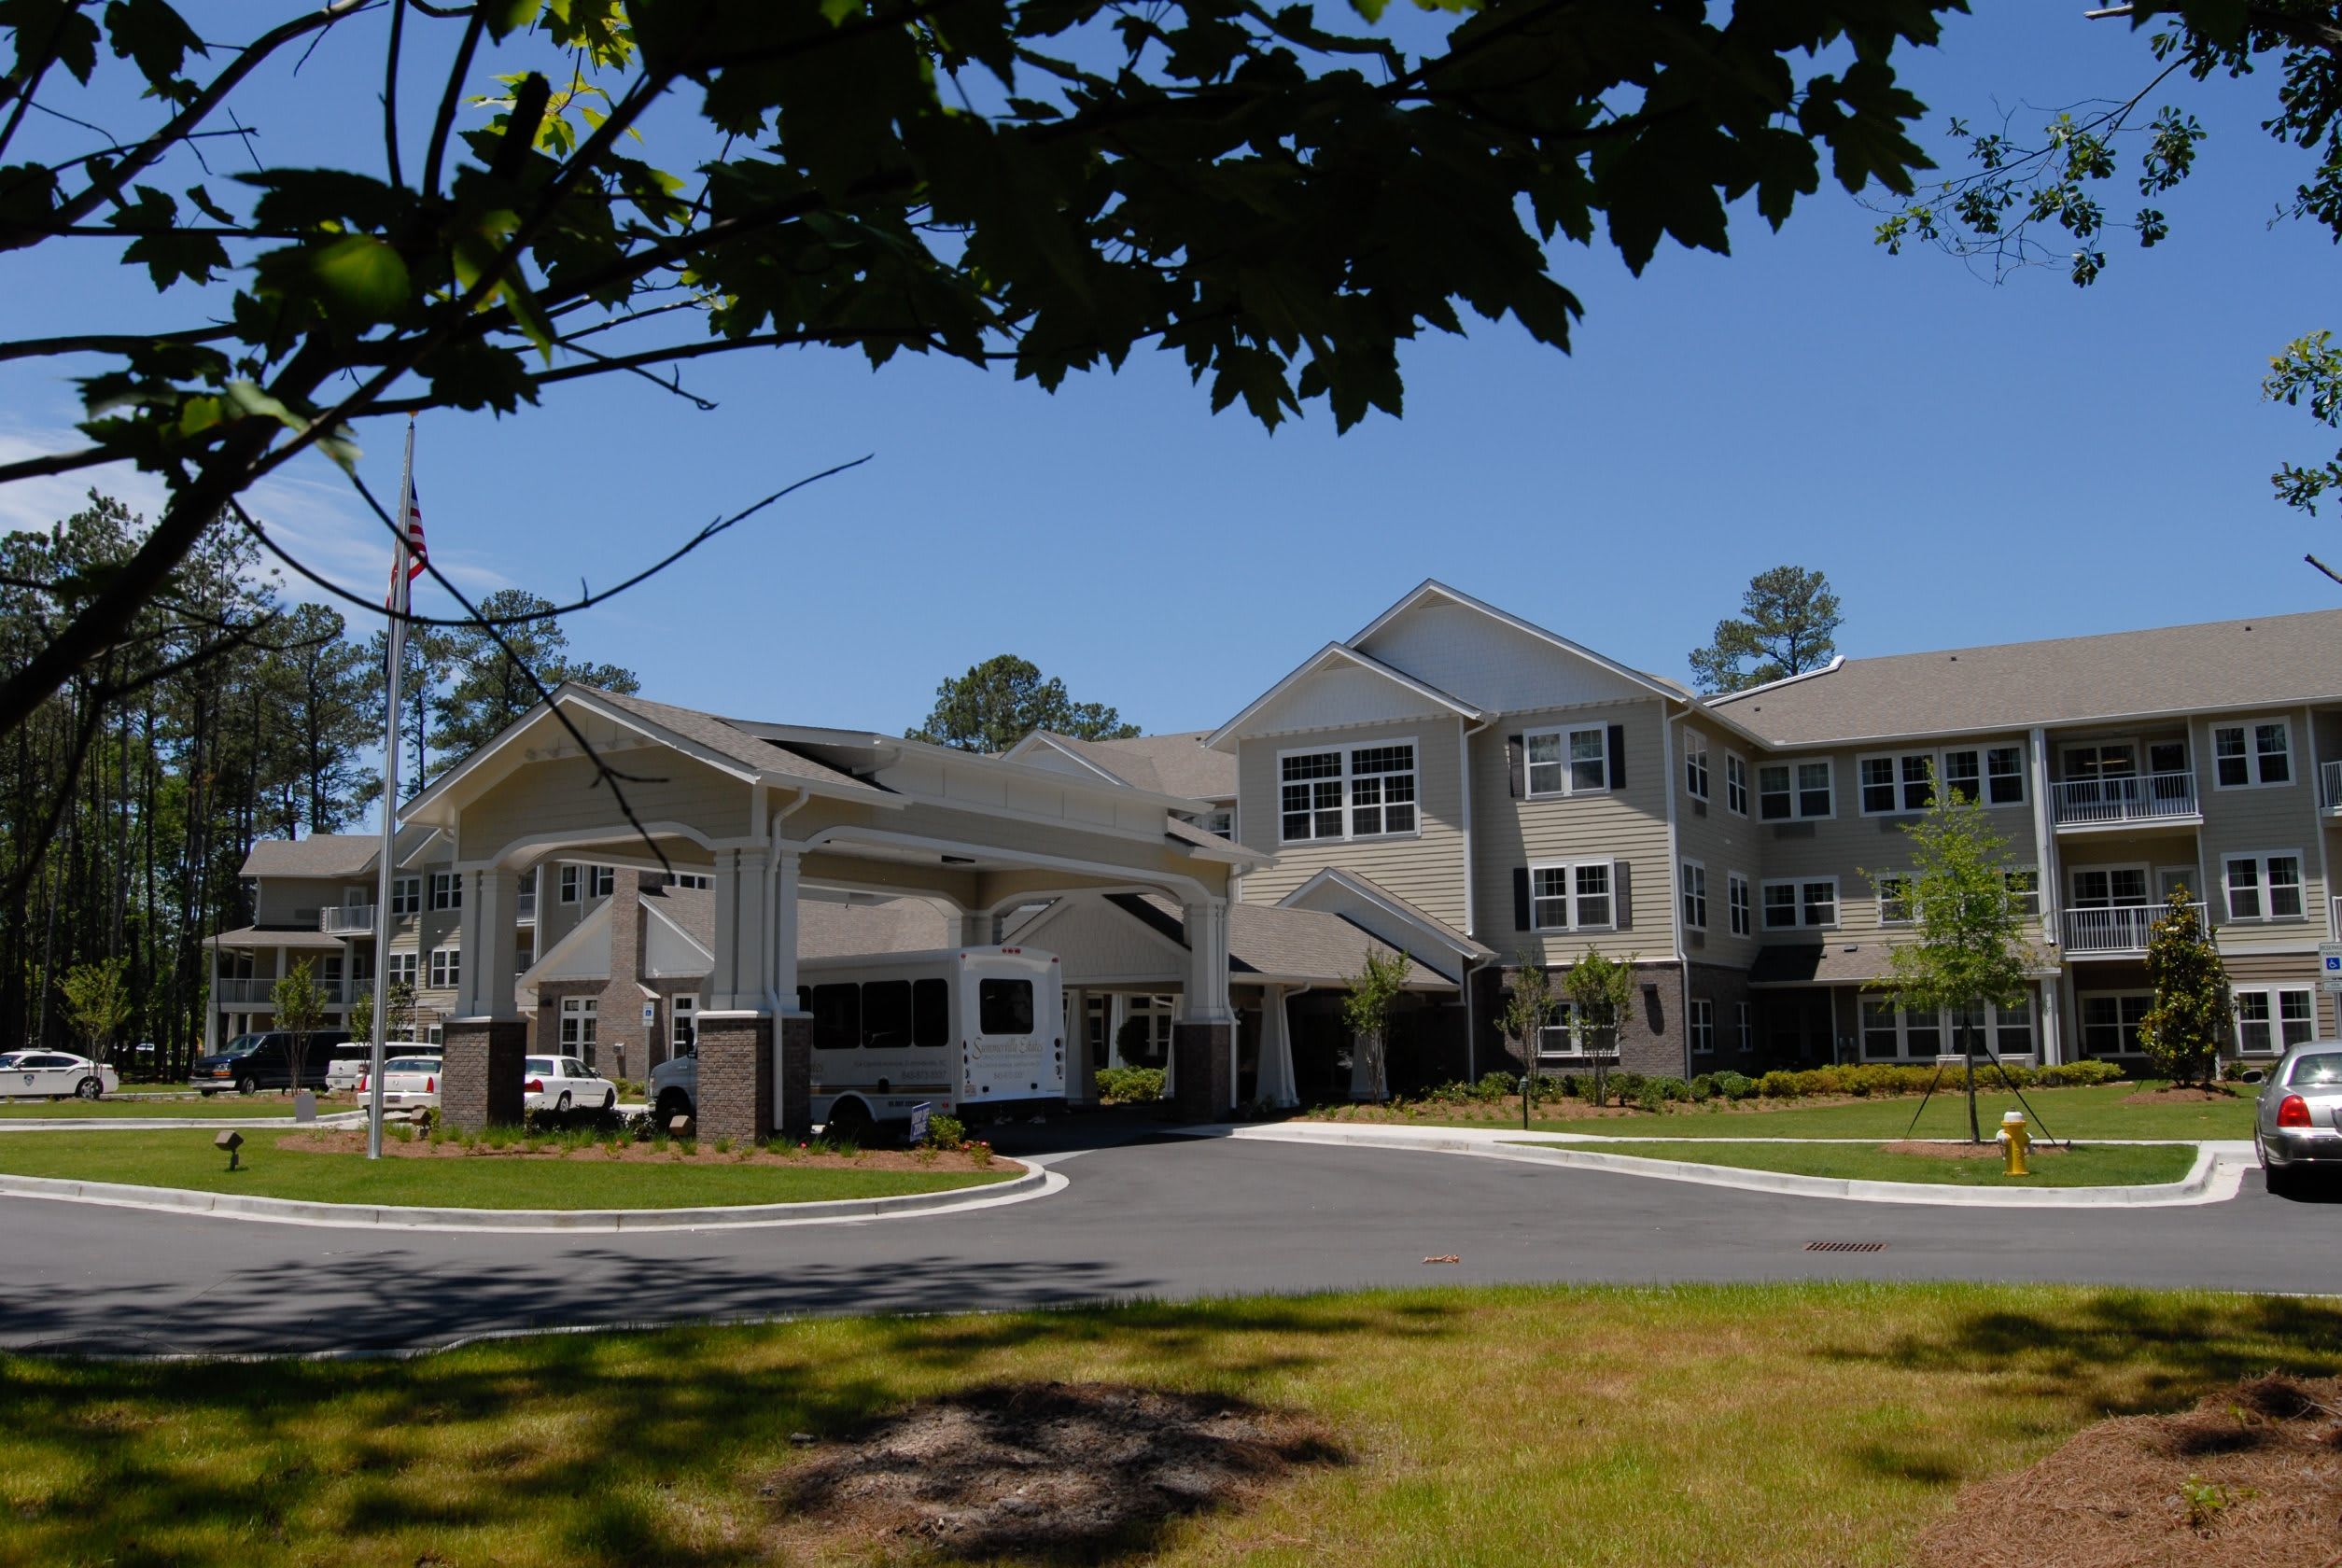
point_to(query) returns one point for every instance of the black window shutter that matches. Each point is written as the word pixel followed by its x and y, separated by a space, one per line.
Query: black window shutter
pixel 1622 893
pixel 1520 919
pixel 1516 769
pixel 1618 756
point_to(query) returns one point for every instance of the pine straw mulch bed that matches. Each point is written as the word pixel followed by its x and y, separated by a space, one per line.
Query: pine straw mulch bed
pixel 1037 1472
pixel 2250 1478
pixel 1986 1149
pixel 354 1143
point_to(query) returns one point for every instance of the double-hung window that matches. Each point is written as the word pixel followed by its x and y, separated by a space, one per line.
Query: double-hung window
pixel 1696 764
pixel 1736 902
pixel 1357 792
pixel 1896 782
pixel 2270 1018
pixel 570 884
pixel 1702 1027
pixel 1793 790
pixel 2024 890
pixel 1736 784
pixel 2260 752
pixel 2263 887
pixel 1694 892
pixel 1811 903
pixel 1744 1026
pixel 401 969
pixel 2004 776
pixel 1559 1035
pixel 1571 897
pixel 1894 900
pixel 447 964
pixel 448 889
pixel 406 895
pixel 2110 1022
pixel 602 880
pixel 1568 762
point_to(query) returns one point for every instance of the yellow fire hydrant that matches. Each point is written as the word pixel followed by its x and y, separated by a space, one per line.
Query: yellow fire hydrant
pixel 2015 1139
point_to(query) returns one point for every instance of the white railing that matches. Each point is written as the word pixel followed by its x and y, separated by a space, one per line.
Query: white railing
pixel 2124 927
pixel 255 993
pixel 2330 785
pixel 2140 797
pixel 527 910
pixel 347 920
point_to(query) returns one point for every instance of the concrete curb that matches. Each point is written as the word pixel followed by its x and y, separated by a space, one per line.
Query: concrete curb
pixel 1034 1182
pixel 2214 1178
pixel 139 1124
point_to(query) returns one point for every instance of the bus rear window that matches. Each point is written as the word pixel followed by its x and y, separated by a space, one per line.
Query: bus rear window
pixel 836 1017
pixel 1003 1006
pixel 930 1012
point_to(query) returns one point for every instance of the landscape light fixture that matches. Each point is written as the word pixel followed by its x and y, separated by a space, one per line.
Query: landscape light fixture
pixel 230 1140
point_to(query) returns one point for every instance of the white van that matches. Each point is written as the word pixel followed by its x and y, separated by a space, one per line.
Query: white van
pixel 975 1033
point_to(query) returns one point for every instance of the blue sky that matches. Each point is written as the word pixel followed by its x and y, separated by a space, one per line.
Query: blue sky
pixel 1967 463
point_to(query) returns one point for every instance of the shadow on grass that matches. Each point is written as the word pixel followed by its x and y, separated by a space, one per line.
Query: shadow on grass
pixel 613 1448
pixel 2125 1352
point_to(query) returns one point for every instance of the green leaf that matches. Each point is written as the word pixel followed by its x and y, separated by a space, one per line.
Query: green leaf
pixel 360 277
pixel 252 400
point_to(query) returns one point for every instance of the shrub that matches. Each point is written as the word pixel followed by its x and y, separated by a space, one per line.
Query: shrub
pixel 1626 1086
pixel 1122 1085
pixel 1703 1088
pixel 1735 1086
pixel 2077 1074
pixel 1674 1090
pixel 945 1132
pixel 1497 1085
pixel 1778 1085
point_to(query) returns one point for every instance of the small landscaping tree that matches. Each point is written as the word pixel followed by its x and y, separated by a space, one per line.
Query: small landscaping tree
pixel 1970 919
pixel 97 1000
pixel 1528 1008
pixel 1374 992
pixel 300 1009
pixel 2189 1014
pixel 1600 990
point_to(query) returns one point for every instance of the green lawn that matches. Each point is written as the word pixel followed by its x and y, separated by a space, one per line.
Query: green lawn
pixel 184 1158
pixel 2086 1166
pixel 116 1105
pixel 2096 1112
pixel 1766 1426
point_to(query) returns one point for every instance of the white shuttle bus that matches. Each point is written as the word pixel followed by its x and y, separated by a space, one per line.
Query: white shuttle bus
pixel 975 1033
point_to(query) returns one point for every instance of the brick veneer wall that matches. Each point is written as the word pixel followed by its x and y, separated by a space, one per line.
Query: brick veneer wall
pixel 1199 1054
pixel 481 1074
pixel 1652 1042
pixel 735 1075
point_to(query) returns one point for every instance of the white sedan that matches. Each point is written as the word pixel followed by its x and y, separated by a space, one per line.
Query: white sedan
pixel 55 1074
pixel 560 1085
pixel 408 1084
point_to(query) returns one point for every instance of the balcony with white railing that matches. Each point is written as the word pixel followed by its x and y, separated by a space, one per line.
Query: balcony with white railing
pixel 2122 928
pixel 2125 799
pixel 256 993
pixel 2330 786
pixel 347 919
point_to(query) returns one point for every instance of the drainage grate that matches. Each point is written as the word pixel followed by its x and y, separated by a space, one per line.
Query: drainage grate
pixel 1845 1246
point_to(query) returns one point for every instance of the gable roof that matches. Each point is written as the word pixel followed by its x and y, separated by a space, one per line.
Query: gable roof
pixel 1168 765
pixel 318 855
pixel 2270 661
pixel 1329 878
pixel 1332 652
pixel 1434 588
pixel 724 737
pixel 1273 943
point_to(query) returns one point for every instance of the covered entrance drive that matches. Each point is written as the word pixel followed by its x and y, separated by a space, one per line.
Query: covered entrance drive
pixel 767 811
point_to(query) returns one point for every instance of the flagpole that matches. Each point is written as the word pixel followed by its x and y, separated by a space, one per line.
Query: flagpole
pixel 396 663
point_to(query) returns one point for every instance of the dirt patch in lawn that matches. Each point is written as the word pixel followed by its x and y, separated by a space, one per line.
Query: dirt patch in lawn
pixel 1039 1472
pixel 2252 1477
pixel 2191 1096
pixel 354 1143
pixel 1961 1151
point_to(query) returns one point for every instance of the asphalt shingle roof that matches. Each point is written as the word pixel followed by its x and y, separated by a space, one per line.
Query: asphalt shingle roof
pixel 1168 765
pixel 725 740
pixel 318 855
pixel 2269 660
pixel 1271 940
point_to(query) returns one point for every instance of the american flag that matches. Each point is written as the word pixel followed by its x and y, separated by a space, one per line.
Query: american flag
pixel 416 556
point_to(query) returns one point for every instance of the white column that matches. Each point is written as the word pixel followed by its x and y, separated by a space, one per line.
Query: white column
pixel 978 930
pixel 1204 1000
pixel 484 984
pixel 213 1005
pixel 737 981
pixel 783 966
pixel 1276 1086
pixel 2053 1045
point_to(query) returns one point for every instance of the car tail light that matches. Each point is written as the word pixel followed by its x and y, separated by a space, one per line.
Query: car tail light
pixel 2293 1111
pixel 430 1084
pixel 536 1085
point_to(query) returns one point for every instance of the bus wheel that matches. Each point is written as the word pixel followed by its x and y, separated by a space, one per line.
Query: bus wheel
pixel 849 1122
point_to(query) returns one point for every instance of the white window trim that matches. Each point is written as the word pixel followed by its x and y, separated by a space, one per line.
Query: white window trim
pixel 2081 1027
pixel 2261 859
pixel 1571 895
pixel 1747 783
pixel 1910 915
pixel 2276 1016
pixel 1937 761
pixel 407 890
pixel 1837 903
pixel 452 881
pixel 1348 804
pixel 1739 920
pixel 1695 755
pixel 1691 887
pixel 1744 1026
pixel 450 959
pixel 1797 793
pixel 2147 880
pixel 1569 788
pixel 2253 753
pixel 1947 1030
pixel 1701 1025
pixel 571 876
pixel 601 881
pixel 406 966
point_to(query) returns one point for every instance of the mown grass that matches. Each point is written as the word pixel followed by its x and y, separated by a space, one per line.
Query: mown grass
pixel 2087 1165
pixel 1659 1428
pixel 184 1158
pixel 146 1105
pixel 2096 1112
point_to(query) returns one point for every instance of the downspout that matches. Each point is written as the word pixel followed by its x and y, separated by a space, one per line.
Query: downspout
pixel 772 893
pixel 1675 892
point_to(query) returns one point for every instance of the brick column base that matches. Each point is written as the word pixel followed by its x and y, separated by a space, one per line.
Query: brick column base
pixel 735 1075
pixel 796 1074
pixel 482 1071
pixel 1200 1054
